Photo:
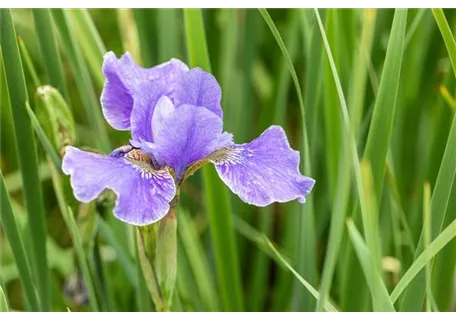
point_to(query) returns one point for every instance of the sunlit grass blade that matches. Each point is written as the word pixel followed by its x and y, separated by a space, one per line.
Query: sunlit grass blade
pixel 424 258
pixel 306 248
pixel 129 33
pixel 3 303
pixel 381 126
pixel 217 198
pixel 11 229
pixel 28 158
pixel 327 305
pixel 90 42
pixel 380 297
pixel 447 35
pixel 412 29
pixel 427 239
pixel 197 260
pixel 28 62
pixel 82 77
pixel 46 144
pixel 49 50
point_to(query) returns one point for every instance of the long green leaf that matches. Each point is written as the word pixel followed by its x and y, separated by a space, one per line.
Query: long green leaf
pixel 414 294
pixel 12 232
pixel 217 198
pixel 380 297
pixel 28 158
pixel 90 42
pixel 49 50
pixel 82 76
pixel 3 303
pixel 424 258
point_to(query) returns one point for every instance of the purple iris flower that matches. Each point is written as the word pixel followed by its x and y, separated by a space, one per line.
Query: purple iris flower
pixel 176 122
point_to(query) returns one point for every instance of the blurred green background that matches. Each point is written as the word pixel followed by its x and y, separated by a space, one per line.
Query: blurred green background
pixel 371 111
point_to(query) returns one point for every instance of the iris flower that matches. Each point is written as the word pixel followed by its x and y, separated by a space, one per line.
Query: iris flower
pixel 176 123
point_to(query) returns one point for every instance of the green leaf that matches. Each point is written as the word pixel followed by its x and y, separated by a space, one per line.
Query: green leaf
pixel 424 258
pixel 216 195
pixel 28 158
pixel 82 77
pixel 50 56
pixel 380 297
pixel 327 305
pixel 3 303
pixel 11 229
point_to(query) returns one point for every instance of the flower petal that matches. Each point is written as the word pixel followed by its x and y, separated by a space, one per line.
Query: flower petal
pixel 184 135
pixel 142 196
pixel 264 171
pixel 123 79
pixel 199 88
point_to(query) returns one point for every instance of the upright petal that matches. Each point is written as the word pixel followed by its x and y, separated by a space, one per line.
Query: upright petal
pixel 199 88
pixel 124 77
pixel 185 134
pixel 264 171
pixel 143 196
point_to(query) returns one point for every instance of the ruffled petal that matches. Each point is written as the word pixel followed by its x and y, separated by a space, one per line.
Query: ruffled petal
pixel 264 171
pixel 199 88
pixel 143 196
pixel 184 135
pixel 123 79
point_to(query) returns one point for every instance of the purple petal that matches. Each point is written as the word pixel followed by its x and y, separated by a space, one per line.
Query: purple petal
pixel 123 79
pixel 199 88
pixel 142 196
pixel 185 134
pixel 266 170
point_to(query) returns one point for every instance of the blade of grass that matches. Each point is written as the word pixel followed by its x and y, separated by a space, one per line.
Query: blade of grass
pixel 28 62
pixel 3 303
pixel 217 198
pixel 11 229
pixel 129 33
pixel 424 258
pixel 306 248
pixel 427 239
pixel 327 305
pixel 89 41
pixel 46 144
pixel 28 158
pixel 414 294
pixel 82 77
pixel 380 297
pixel 49 50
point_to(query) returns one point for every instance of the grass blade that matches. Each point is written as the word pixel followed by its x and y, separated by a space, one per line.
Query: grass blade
pixel 327 305
pixel 217 198
pixel 424 258
pixel 3 303
pixel 82 76
pixel 90 41
pixel 380 297
pixel 11 229
pixel 306 248
pixel 49 50
pixel 28 62
pixel 47 145
pixel 447 35
pixel 28 158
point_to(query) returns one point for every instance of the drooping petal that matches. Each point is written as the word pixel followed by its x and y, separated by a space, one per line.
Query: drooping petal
pixel 143 196
pixel 184 134
pixel 264 171
pixel 123 79
pixel 199 88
